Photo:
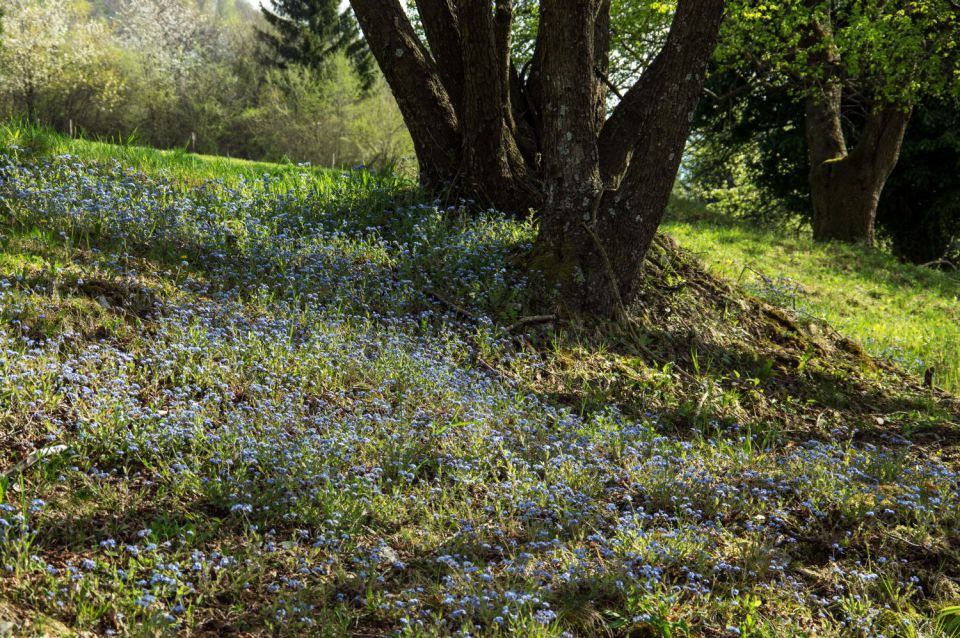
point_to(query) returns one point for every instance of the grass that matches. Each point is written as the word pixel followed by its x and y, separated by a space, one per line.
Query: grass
pixel 249 408
pixel 178 164
pixel 905 313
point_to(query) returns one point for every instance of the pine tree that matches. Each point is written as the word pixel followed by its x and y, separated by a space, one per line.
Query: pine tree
pixel 307 32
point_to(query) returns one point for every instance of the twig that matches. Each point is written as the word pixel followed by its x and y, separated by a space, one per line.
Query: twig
pixel 531 321
pixel 449 304
pixel 489 367
pixel 610 85
pixel 939 262
pixel 34 457
pixel 900 539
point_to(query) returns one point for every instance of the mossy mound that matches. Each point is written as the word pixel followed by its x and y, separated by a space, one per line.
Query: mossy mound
pixel 702 353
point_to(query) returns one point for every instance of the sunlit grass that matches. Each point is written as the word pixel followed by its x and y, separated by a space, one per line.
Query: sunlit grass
pixel 907 313
pixel 181 165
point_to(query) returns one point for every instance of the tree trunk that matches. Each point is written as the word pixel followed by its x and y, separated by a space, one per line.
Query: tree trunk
pixel 31 100
pixel 845 188
pixel 845 200
pixel 537 137
pixel 593 241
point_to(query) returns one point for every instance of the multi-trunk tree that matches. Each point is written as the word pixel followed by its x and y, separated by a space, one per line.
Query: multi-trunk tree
pixel 859 67
pixel 543 135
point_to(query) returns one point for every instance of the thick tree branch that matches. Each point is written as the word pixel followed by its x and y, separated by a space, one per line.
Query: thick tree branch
pixel 654 118
pixel 673 80
pixel 532 88
pixel 503 35
pixel 824 127
pixel 442 28
pixel 492 161
pixel 417 87
pixel 601 57
pixel 485 92
pixel 882 138
pixel 569 102
pixel 524 118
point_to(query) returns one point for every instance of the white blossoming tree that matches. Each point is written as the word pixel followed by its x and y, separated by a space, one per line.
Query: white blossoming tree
pixel 48 45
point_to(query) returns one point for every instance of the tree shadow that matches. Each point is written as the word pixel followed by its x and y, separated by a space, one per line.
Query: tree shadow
pixel 703 356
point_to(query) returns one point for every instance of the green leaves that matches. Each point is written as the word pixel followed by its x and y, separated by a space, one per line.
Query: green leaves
pixel 948 621
pixel 892 52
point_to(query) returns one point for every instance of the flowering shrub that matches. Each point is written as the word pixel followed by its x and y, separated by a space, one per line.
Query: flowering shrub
pixel 299 440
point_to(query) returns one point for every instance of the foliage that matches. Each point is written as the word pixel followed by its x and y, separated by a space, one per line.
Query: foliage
pixel 308 33
pixel 751 153
pixel 185 74
pixel 948 621
pixel 48 46
pixel 638 30
pixel 751 161
pixel 322 115
pixel 895 52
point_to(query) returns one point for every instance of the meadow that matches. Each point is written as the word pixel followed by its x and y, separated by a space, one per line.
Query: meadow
pixel 902 312
pixel 305 403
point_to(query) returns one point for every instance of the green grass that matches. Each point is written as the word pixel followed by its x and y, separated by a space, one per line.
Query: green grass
pixel 906 313
pixel 180 165
pixel 257 417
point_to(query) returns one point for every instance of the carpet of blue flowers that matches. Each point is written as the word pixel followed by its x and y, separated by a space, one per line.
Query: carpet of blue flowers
pixel 240 409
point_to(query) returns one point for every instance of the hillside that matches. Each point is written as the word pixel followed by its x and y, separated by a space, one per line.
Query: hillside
pixel 312 404
pixel 905 313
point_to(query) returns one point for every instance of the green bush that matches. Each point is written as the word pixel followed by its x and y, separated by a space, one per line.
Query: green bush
pixel 188 75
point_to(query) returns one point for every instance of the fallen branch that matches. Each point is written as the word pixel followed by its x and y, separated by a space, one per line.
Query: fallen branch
pixel 449 304
pixel 939 262
pixel 532 321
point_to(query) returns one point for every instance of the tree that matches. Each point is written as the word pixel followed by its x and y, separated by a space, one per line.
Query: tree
pixel 750 158
pixel 309 32
pixel 538 136
pixel 858 67
pixel 47 45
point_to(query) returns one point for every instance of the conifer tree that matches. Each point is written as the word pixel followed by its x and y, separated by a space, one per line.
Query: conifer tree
pixel 307 32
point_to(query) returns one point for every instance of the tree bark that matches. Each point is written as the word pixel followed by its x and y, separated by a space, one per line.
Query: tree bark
pixel 416 84
pixel 845 187
pixel 595 241
pixel 539 138
pixel 441 25
pixel 492 167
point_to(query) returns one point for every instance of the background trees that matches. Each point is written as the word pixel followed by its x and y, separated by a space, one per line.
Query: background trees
pixel 791 78
pixel 848 74
pixel 194 75
pixel 310 32
pixel 49 47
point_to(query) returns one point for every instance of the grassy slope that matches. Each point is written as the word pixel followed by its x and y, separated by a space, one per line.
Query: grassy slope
pixel 271 429
pixel 903 312
pixel 181 166
pixel 906 313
